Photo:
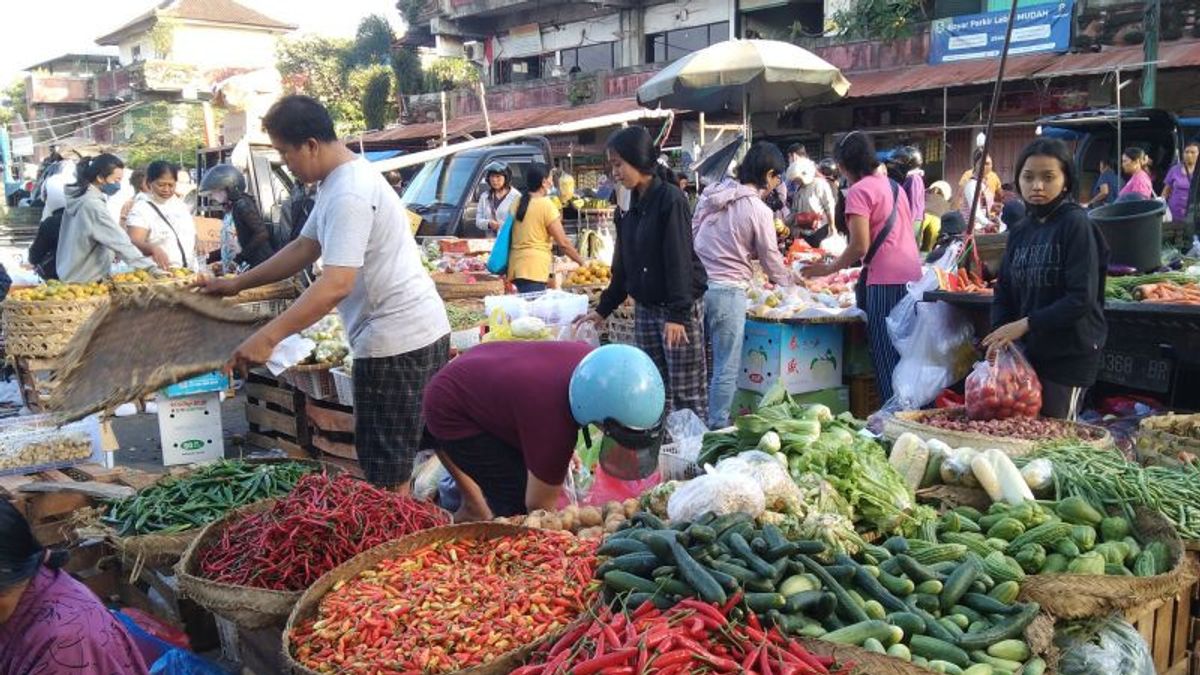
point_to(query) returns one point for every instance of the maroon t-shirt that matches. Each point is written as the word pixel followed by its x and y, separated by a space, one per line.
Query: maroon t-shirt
pixel 515 391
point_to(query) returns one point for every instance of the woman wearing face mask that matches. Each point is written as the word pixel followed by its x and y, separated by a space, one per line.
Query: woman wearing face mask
pixel 655 263
pixel 881 237
pixel 49 622
pixel 1133 164
pixel 733 226
pixel 537 226
pixel 90 236
pixel 245 238
pixel 1179 181
pixel 1050 292
pixel 160 225
pixel 496 203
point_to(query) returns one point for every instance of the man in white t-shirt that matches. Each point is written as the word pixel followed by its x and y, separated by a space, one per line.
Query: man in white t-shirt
pixel 372 273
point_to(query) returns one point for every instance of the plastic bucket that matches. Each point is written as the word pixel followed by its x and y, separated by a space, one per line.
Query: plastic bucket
pixel 1133 231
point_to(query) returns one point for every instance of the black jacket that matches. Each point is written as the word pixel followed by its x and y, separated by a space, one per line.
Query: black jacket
pixel 655 261
pixel 252 232
pixel 1053 273
pixel 44 249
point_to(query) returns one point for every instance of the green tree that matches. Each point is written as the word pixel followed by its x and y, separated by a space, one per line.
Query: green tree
pixel 320 67
pixel 164 131
pixel 406 65
pixel 12 101
pixel 884 20
pixel 373 41
pixel 452 72
pixel 377 104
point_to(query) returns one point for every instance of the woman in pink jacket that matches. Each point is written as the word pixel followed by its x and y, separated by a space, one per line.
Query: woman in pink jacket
pixel 732 226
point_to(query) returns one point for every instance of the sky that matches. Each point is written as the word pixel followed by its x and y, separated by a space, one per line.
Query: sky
pixel 57 27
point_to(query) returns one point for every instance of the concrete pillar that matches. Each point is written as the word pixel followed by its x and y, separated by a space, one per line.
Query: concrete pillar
pixel 633 44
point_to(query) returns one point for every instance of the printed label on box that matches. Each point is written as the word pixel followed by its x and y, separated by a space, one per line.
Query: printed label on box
pixel 190 429
pixel 807 357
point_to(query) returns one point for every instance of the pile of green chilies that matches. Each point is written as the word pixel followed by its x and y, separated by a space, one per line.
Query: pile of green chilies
pixel 176 504
pixel 1105 477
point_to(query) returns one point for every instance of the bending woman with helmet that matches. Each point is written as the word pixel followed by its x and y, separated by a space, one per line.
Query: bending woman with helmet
pixel 496 204
pixel 510 454
pixel 904 167
pixel 245 238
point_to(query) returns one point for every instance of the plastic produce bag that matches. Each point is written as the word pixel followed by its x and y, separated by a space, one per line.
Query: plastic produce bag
pixel 779 490
pixel 687 433
pixel 1038 474
pixel 720 493
pixel 1108 645
pixel 1004 387
pixel 607 488
pixel 902 321
pixel 164 658
pixel 940 353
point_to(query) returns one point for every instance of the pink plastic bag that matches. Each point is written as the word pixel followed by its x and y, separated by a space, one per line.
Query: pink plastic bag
pixel 606 488
pixel 1004 387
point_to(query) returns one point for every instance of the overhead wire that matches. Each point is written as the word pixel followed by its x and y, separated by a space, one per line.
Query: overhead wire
pixel 48 124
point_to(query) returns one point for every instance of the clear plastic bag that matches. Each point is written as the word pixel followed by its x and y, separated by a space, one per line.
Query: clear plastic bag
pixel 940 353
pixel 720 493
pixel 1003 387
pixel 903 320
pixel 687 433
pixel 779 490
pixel 1108 645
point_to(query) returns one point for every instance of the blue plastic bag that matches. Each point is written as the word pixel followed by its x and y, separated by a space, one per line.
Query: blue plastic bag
pixel 164 658
pixel 498 260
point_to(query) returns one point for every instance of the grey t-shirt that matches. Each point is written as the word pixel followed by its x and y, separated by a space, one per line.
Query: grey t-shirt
pixel 359 222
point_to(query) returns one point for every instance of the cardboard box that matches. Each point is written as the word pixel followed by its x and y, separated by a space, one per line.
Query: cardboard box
pixel 201 384
pixel 190 428
pixel 836 398
pixel 808 357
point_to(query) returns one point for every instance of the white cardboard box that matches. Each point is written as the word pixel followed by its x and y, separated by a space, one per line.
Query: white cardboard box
pixel 190 428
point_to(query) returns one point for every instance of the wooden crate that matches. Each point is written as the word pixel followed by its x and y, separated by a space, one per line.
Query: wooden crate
pixel 331 428
pixel 49 499
pixel 275 412
pixel 36 378
pixel 864 396
pixel 1167 627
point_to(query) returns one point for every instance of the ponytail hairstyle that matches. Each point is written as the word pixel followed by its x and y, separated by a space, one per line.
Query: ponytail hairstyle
pixel 90 169
pixel 20 553
pixel 855 153
pixel 159 168
pixel 535 177
pixel 635 147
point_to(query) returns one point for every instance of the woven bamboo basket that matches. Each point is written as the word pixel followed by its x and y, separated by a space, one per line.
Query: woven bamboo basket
pixel 316 380
pixel 912 421
pixel 124 290
pixel 309 603
pixel 164 550
pixel 247 607
pixel 1156 438
pixel 44 328
pixel 619 329
pixel 461 285
pixel 592 291
pixel 1077 596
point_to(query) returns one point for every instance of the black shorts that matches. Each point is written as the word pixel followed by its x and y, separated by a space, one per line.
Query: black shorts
pixel 497 467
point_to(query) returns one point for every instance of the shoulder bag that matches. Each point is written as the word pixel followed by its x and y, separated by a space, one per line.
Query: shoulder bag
pixel 860 287
pixel 182 254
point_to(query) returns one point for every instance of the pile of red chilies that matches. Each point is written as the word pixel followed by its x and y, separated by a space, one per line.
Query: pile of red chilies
pixel 321 524
pixel 691 637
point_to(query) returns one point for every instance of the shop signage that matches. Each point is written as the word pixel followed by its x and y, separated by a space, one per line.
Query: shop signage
pixel 1038 28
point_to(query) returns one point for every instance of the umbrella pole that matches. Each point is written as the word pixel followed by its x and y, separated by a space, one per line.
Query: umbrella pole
pixel 746 117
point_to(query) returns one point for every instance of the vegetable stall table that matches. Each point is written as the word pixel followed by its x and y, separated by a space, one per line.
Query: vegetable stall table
pixel 1149 346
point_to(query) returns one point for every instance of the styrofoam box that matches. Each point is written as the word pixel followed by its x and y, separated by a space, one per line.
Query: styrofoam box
pixel 808 357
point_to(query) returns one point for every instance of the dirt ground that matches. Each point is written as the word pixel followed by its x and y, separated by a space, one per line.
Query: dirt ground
pixel 138 436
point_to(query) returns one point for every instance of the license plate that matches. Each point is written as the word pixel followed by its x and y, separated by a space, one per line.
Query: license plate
pixel 1136 370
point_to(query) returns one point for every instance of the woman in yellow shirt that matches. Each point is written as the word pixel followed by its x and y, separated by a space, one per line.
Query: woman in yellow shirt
pixel 537 226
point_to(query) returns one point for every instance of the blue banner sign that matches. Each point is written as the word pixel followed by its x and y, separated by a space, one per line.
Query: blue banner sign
pixel 1039 28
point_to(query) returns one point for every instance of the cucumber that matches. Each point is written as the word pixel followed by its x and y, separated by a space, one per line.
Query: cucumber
pixel 798 583
pixel 635 600
pixel 727 582
pixel 932 627
pixel 1011 627
pixel 781 552
pixel 874 646
pixel 958 583
pixel 1034 667
pixel 898 586
pixel 899 651
pixel 659 542
pixel 915 570
pixel 857 633
pixel 648 520
pixel 1006 592
pixel 1011 650
pixel 951 627
pixel 845 604
pixel 738 572
pixel 986 604
pixel 697 576
pixel 763 602
pixel 929 603
pixel 675 587
pixel 793 624
pixel 959 620
pixel 621 546
pixel 932 587
pixel 939 666
pixel 760 585
pixel 620 581
pixel 773 536
pixel 874 609
pixel 908 622
pixel 1003 665
pixel 896 545
pixel 740 547
pixel 938 650
pixel 971 615
pixel 817 604
pixel 977 626
pixel 876 591
pixel 641 564
pixel 979 669
pixel 701 533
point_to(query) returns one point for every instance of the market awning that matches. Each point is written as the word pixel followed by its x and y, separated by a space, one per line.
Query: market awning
pixel 460 127
pixel 983 71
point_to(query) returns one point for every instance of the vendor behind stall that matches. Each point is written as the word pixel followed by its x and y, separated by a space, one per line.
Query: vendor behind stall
pixel 505 417
pixel 49 622
pixel 496 202
pixel 372 273
pixel 1050 294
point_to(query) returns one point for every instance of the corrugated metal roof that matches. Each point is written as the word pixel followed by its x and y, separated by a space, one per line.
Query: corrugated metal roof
pixel 457 127
pixel 1181 54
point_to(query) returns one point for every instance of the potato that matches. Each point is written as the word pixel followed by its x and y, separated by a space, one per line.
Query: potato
pixel 552 522
pixel 590 516
pixel 533 521
pixel 612 525
pixel 569 521
pixel 630 507
pixel 540 513
pixel 611 508
pixel 591 533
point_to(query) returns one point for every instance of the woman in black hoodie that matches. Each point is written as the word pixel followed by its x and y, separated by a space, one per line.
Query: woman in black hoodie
pixel 1050 293
pixel 655 263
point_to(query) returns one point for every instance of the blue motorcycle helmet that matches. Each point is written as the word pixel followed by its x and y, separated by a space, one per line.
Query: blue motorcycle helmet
pixel 619 389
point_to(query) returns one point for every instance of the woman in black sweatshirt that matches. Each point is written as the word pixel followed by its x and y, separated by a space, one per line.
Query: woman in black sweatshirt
pixel 655 263
pixel 1050 293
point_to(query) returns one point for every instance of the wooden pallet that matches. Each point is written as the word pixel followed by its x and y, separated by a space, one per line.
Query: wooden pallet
pixel 36 377
pixel 276 413
pixel 331 428
pixel 1167 628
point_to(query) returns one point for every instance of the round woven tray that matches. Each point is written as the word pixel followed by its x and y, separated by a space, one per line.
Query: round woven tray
pixel 247 607
pixel 44 328
pixel 911 421
pixel 308 604
pixel 460 285
pixel 1077 596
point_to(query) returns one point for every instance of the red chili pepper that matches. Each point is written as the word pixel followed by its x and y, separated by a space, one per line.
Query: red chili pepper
pixel 596 664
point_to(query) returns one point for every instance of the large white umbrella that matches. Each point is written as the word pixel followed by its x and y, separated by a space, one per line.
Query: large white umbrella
pixel 745 76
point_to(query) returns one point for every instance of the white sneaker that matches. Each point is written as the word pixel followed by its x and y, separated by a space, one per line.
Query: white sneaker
pixel 126 410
